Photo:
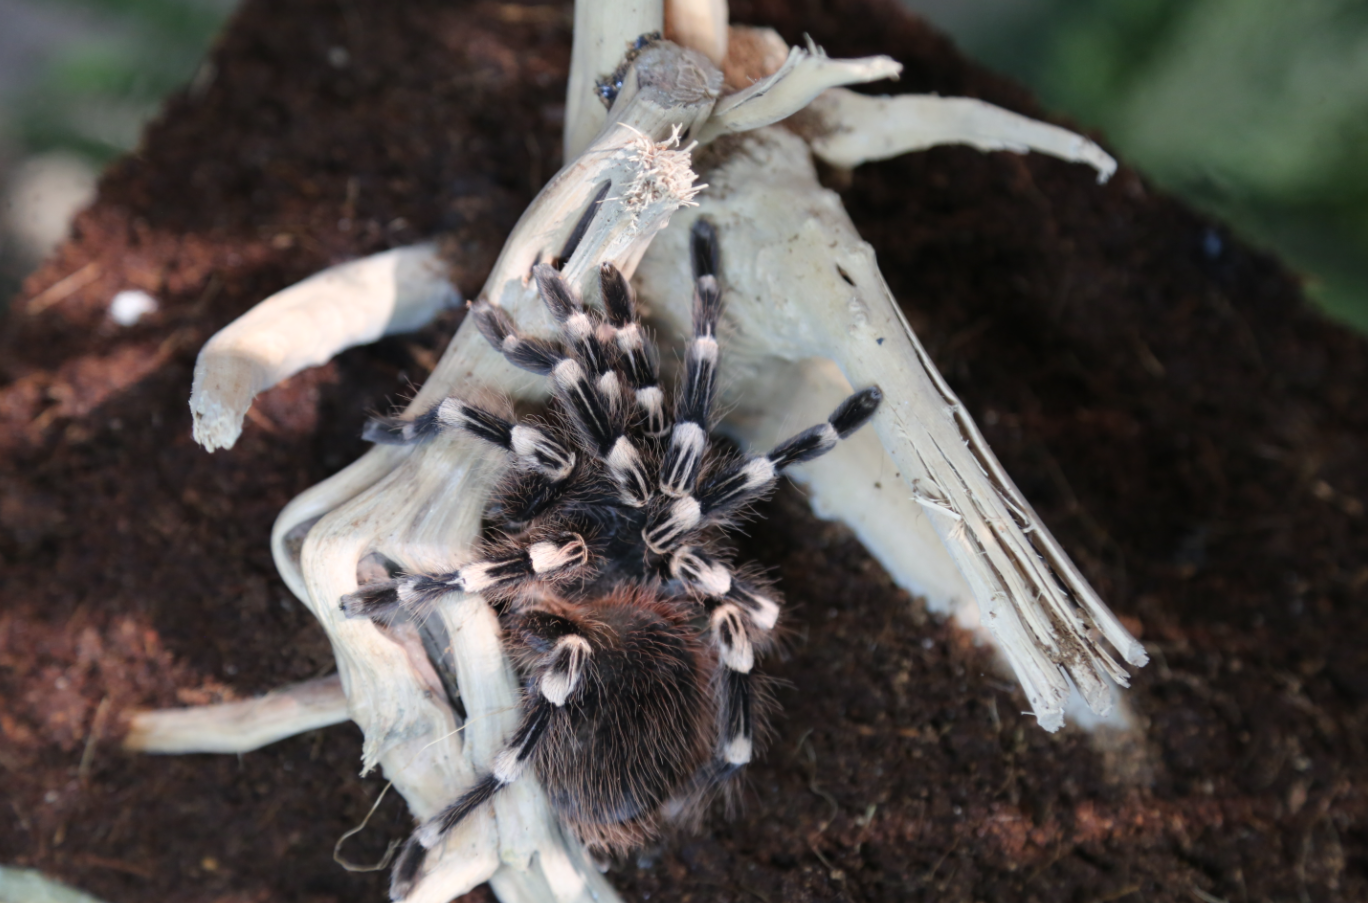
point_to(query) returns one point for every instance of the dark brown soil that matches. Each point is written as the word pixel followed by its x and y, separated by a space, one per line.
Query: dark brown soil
pixel 1192 432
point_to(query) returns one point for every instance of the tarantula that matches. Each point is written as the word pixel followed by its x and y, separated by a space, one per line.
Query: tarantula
pixel 602 526
pixel 635 633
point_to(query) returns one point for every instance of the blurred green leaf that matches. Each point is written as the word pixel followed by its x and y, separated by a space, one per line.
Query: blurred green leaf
pixel 1256 110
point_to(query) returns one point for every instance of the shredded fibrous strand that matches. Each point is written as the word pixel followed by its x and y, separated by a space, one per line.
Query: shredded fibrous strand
pixel 664 173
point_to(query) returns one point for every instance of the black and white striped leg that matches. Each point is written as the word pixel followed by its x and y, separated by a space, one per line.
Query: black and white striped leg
pixel 672 524
pixel 599 419
pixel 742 617
pixel 578 325
pixel 731 633
pixel 524 352
pixel 535 448
pixel 721 495
pixel 592 411
pixel 595 406
pixel 508 767
pixel 636 354
pixel 736 725
pixel 564 670
pixel 753 479
pixel 704 249
pixel 689 438
pixel 549 559
pixel 848 417
pixel 700 572
pixel 525 495
pixel 710 578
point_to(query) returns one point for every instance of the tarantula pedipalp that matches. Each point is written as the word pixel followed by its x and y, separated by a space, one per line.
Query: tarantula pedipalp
pixel 635 632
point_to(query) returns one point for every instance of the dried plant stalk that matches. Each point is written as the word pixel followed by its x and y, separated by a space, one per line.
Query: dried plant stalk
pixel 239 727
pixel 802 284
pixel 850 129
pixel 353 303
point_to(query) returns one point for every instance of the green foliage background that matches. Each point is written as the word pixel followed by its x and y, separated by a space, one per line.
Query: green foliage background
pixel 1256 110
pixel 96 92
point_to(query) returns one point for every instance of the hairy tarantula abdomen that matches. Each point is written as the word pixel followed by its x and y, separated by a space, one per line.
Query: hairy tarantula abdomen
pixel 641 725
pixel 634 632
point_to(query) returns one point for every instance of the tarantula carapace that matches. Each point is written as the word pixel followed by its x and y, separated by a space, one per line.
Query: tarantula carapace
pixel 634 631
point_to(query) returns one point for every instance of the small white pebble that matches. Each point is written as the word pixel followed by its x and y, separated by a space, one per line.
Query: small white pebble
pixel 131 305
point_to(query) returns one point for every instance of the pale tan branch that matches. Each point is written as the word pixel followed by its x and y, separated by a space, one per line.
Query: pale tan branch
pixel 699 25
pixel 306 325
pixel 239 727
pixel 804 75
pixel 604 31
pixel 850 129
pixel 800 284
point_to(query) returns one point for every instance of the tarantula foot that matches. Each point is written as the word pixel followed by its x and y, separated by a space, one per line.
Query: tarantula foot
pixel 406 868
pixel 396 431
pixel 855 411
pixel 429 834
pixel 375 600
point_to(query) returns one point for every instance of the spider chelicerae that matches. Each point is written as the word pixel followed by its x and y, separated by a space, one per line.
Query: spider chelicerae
pixel 635 633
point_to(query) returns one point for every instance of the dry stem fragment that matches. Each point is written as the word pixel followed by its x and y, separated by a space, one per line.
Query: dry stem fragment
pixel 603 32
pixel 804 75
pixel 308 324
pixel 855 129
pixel 699 25
pixel 239 727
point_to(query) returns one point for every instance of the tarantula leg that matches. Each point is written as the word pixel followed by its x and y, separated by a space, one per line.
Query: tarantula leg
pixel 761 607
pixel 749 480
pixel 736 718
pixel 636 354
pixel 752 479
pixel 578 325
pixel 593 412
pixel 562 676
pixel 689 437
pixel 736 653
pixel 595 406
pixel 526 495
pixel 524 352
pixel 700 571
pixel 598 417
pixel 704 251
pixel 540 560
pixel 741 623
pixel 508 767
pixel 671 524
pixel 535 449
pixel 598 406
pixel 565 654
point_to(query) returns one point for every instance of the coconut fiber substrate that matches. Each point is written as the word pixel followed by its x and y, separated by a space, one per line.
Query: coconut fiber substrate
pixel 1191 430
